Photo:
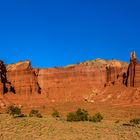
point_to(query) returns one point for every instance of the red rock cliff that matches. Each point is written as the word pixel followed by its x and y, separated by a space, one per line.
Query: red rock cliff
pixel 133 72
pixel 23 78
pixel 97 80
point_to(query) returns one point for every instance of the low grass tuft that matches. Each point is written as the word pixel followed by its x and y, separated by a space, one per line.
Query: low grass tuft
pixel 79 115
pixel 96 118
pixel 55 114
pixel 35 113
pixel 15 111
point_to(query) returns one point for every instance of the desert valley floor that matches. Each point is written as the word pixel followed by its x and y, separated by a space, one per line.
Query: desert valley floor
pixel 48 128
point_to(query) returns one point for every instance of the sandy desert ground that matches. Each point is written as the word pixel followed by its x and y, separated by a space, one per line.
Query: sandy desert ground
pixel 49 128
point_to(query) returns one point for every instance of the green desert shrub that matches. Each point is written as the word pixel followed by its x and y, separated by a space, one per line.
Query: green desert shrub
pixel 35 113
pixel 79 115
pixel 14 111
pixel 72 117
pixel 135 121
pixel 55 114
pixel 96 118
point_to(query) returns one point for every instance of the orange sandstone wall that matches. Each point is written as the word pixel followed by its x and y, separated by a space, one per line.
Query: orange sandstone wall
pixel 70 83
pixel 76 82
pixel 24 82
pixel 137 76
pixel 66 84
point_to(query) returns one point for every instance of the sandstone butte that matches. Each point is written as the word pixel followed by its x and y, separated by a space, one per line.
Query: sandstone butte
pixel 97 81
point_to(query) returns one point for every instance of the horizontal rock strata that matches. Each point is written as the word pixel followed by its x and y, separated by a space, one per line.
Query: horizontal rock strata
pixel 91 81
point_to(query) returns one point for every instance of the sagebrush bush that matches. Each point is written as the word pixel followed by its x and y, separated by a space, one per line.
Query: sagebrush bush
pixel 55 114
pixel 96 118
pixel 72 117
pixel 135 121
pixel 79 115
pixel 14 111
pixel 82 115
pixel 35 113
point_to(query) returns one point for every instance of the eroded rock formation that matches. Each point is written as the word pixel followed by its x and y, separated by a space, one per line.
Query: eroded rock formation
pixel 5 85
pixel 92 81
pixel 133 72
pixel 23 78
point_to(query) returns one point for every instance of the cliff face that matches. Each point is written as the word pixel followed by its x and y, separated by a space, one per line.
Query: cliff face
pixel 5 86
pixel 24 79
pixel 75 83
pixel 137 76
pixel 92 81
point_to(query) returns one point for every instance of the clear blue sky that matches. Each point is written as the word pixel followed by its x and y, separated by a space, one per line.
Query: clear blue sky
pixel 60 32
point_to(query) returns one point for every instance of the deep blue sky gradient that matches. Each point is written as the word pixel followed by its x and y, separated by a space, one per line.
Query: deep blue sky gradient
pixel 60 32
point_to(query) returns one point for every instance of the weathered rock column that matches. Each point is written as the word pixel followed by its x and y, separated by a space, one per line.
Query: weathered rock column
pixel 133 70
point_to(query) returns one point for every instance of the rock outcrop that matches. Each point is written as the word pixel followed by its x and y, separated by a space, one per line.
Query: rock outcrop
pixel 23 78
pixel 75 82
pixel 133 72
pixel 126 88
pixel 5 85
pixel 93 81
